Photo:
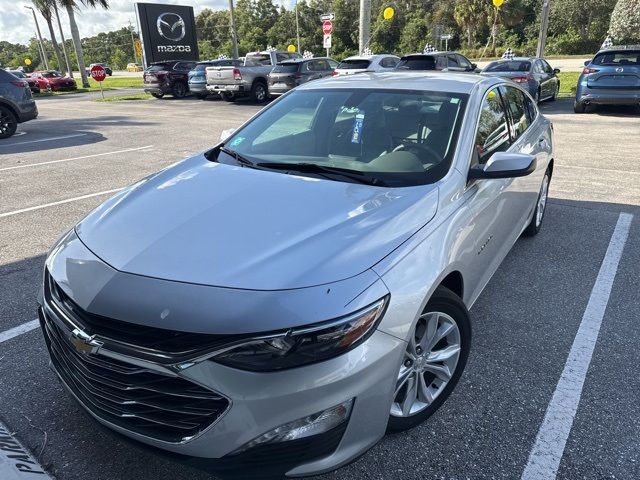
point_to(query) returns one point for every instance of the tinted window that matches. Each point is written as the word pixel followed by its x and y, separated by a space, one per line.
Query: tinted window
pixel 464 63
pixel 493 128
pixel 426 62
pixel 257 59
pixel 157 67
pixel 508 66
pixel 202 66
pixel 400 138
pixel 285 68
pixel 452 61
pixel 333 63
pixel 51 74
pixel 388 62
pixel 441 62
pixel 631 57
pixel 18 74
pixel 537 67
pixel 516 104
pixel 354 64
pixel 185 66
pixel 532 110
pixel 321 65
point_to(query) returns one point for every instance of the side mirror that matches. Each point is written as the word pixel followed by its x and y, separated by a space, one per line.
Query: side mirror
pixel 587 62
pixel 504 165
pixel 556 71
pixel 226 133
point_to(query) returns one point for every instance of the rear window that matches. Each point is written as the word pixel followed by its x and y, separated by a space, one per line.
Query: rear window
pixel 354 64
pixel 509 66
pixel 631 57
pixel 417 63
pixel 202 67
pixel 257 59
pixel 157 67
pixel 285 68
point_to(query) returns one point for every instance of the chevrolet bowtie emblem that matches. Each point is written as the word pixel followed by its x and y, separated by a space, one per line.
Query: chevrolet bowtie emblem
pixel 83 343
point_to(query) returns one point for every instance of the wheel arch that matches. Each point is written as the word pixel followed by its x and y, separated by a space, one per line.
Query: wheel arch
pixel 11 108
pixel 454 282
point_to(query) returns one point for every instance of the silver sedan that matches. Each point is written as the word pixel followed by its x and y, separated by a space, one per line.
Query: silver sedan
pixel 282 300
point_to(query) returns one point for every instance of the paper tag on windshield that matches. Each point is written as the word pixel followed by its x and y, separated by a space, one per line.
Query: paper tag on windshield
pixel 357 127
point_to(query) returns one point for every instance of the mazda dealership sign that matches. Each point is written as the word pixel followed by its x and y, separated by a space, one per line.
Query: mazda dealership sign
pixel 168 32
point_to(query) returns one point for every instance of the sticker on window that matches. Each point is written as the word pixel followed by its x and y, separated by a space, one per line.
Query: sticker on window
pixel 237 141
pixel 357 128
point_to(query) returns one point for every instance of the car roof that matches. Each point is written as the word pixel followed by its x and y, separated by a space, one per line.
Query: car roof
pixel 517 59
pixel 410 80
pixel 370 57
pixel 619 48
pixel 430 54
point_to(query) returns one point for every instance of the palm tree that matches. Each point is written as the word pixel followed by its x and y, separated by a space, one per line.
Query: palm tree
pixel 44 7
pixel 71 5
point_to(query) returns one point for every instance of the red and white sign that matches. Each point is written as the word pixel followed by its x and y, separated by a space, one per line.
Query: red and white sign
pixel 327 27
pixel 98 73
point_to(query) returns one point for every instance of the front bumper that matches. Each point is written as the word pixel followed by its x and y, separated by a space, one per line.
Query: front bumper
pixel 28 113
pixel 257 402
pixel 199 87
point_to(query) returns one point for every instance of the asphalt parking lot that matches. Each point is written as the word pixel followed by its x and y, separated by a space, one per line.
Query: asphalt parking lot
pixel 79 152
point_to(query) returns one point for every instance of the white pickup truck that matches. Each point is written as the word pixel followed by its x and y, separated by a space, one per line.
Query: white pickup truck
pixel 249 79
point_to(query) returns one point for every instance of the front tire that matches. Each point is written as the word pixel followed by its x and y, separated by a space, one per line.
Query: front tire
pixel 8 122
pixel 579 107
pixel 433 362
pixel 538 215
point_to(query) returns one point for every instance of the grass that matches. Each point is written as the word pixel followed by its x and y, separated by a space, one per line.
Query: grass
pixel 568 83
pixel 117 82
pixel 124 98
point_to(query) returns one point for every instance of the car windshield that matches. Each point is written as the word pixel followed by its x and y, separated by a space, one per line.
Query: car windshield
pixel 286 68
pixel 354 64
pixel 630 57
pixel 257 59
pixel 51 74
pixel 382 137
pixel 417 63
pixel 509 66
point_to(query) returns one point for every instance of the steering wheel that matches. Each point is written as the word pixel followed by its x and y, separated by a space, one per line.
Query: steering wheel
pixel 420 150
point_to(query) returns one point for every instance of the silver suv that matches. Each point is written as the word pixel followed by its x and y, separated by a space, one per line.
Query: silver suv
pixel 16 103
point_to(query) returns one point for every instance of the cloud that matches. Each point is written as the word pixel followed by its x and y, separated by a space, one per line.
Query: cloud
pixel 16 22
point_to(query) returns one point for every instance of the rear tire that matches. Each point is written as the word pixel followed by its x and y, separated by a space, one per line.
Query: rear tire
pixel 579 107
pixel 227 96
pixel 157 95
pixel 538 214
pixel 443 331
pixel 8 122
pixel 179 90
pixel 259 92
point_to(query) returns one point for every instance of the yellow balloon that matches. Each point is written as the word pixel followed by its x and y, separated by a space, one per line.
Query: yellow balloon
pixel 291 48
pixel 498 3
pixel 27 61
pixel 389 13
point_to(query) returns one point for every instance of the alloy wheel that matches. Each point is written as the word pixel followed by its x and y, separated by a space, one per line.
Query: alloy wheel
pixel 429 363
pixel 542 200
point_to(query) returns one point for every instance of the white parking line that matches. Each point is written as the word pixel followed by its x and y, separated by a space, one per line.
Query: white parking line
pixel 548 448
pixel 61 137
pixel 4 169
pixel 19 330
pixel 16 462
pixel 60 202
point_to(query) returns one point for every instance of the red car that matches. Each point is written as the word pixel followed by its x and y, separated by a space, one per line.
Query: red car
pixel 52 80
pixel 33 84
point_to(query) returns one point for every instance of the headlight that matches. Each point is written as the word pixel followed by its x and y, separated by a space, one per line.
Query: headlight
pixel 301 346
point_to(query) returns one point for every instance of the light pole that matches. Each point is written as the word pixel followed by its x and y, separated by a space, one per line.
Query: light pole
pixel 234 38
pixel 297 28
pixel 544 24
pixel 44 52
pixel 364 34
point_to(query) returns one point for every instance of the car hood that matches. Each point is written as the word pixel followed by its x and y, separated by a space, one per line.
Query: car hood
pixel 220 225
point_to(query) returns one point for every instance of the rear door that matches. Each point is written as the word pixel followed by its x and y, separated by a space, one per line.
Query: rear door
pixel 539 75
pixel 616 70
pixel 550 80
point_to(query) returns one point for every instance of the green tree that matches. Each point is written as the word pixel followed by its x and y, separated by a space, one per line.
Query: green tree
pixel 625 21
pixel 45 8
pixel 120 59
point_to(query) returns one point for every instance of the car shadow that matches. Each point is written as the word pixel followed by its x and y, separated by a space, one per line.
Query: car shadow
pixel 565 105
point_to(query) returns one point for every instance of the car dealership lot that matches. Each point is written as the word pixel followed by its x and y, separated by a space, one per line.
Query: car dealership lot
pixel 79 151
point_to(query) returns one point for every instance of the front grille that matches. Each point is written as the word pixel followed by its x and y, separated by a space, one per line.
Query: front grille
pixel 162 407
pixel 174 345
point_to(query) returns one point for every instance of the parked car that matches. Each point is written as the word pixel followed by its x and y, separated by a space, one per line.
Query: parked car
pixel 106 67
pixel 534 74
pixel 280 301
pixel 366 63
pixel 54 81
pixel 134 67
pixel 170 77
pixel 16 103
pixel 249 79
pixel 198 76
pixel 291 73
pixel 33 84
pixel 612 77
pixel 441 61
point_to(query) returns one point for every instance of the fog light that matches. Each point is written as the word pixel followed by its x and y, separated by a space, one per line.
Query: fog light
pixel 315 424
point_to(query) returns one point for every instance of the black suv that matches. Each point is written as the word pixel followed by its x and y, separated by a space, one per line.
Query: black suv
pixel 168 77
pixel 16 103
pixel 442 61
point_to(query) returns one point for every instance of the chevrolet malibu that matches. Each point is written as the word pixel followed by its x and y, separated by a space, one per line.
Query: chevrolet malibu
pixel 280 301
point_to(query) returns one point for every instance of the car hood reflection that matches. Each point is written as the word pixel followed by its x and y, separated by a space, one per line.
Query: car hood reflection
pixel 220 225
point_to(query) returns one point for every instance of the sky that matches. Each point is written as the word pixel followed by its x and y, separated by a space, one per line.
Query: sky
pixel 17 26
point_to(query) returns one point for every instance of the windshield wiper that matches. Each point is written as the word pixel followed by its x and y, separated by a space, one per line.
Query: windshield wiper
pixel 237 157
pixel 324 171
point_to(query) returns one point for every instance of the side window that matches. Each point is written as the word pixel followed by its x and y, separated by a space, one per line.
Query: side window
pixel 441 62
pixel 532 110
pixel 546 66
pixel 332 64
pixel 281 57
pixel 515 102
pixel 537 67
pixel 321 65
pixel 493 128
pixel 453 61
pixel 464 63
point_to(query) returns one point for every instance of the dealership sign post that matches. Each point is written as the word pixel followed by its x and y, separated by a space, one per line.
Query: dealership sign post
pixel 168 32
pixel 98 73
